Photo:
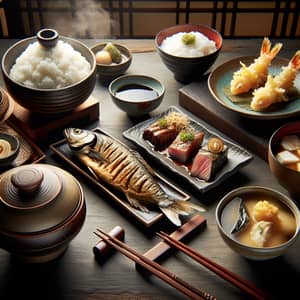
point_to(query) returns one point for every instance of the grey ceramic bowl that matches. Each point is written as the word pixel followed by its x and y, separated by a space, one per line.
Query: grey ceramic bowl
pixel 15 148
pixel 49 101
pixel 256 253
pixel 109 72
pixel 187 69
pixel 138 107
pixel 288 178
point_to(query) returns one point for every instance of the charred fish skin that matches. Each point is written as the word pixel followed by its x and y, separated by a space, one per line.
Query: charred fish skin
pixel 114 163
pixel 243 217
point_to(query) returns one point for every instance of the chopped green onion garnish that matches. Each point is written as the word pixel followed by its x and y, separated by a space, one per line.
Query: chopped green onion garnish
pixel 163 123
pixel 186 136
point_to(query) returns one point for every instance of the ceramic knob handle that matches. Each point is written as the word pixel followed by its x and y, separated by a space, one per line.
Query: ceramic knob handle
pixel 48 38
pixel 27 180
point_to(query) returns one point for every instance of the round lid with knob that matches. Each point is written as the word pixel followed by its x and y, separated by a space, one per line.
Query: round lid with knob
pixel 37 197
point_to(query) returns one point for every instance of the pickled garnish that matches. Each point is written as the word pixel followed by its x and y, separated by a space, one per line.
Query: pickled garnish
pixel 114 52
pixel 215 145
pixel 242 219
pixel 188 39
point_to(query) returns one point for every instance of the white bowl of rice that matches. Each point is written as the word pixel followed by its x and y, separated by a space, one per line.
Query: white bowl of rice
pixel 188 50
pixel 49 74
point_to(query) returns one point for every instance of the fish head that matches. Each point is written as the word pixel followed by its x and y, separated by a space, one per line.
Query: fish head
pixel 79 138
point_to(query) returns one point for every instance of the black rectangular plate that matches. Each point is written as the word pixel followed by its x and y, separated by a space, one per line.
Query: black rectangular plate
pixel 237 156
pixel 62 149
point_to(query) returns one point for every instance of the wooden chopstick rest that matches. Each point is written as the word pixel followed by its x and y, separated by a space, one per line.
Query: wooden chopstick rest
pixel 102 250
pixel 161 249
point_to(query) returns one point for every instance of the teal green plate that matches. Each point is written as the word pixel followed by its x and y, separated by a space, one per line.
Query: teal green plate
pixel 219 84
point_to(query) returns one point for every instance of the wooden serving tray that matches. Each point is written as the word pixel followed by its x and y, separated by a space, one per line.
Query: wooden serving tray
pixel 62 149
pixel 250 133
pixel 39 126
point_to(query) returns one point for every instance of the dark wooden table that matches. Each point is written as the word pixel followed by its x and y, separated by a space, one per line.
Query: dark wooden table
pixel 77 275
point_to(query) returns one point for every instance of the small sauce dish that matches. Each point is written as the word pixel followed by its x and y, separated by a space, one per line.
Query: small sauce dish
pixel 137 95
pixel 9 149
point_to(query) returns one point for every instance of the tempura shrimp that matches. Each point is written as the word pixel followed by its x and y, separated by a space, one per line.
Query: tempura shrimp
pixel 255 75
pixel 276 87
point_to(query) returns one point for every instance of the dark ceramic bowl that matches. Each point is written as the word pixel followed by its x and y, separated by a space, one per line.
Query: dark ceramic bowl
pixel 289 179
pixel 109 72
pixel 42 210
pixel 49 101
pixel 256 253
pixel 138 107
pixel 187 69
pixel 15 148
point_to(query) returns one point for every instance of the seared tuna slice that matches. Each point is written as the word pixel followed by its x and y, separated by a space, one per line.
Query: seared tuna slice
pixel 206 164
pixel 185 145
pixel 160 137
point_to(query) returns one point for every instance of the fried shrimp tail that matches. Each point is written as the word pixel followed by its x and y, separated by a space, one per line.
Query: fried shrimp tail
pixel 277 88
pixel 254 75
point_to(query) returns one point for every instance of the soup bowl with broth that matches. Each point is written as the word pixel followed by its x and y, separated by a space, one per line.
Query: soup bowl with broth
pixel 258 223
pixel 284 157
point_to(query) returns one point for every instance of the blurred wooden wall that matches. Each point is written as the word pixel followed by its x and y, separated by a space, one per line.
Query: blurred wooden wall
pixel 143 19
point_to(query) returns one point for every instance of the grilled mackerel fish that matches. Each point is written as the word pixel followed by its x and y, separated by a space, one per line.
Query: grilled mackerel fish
pixel 114 163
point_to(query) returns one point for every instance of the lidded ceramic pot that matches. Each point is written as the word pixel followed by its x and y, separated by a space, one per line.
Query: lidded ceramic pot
pixel 42 208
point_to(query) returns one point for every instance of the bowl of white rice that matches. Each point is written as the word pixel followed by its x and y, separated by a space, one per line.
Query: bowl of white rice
pixel 48 73
pixel 188 50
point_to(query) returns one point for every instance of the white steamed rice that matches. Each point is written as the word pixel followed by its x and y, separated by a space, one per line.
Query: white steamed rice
pixel 174 45
pixel 53 68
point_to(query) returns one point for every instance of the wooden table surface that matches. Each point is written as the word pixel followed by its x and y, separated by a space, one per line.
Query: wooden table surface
pixel 77 275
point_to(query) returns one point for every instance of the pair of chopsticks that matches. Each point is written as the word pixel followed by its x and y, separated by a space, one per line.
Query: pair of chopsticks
pixel 239 282
pixel 155 268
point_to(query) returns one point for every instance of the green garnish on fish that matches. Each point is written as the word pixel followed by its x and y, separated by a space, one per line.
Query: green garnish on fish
pixel 186 136
pixel 163 123
pixel 188 39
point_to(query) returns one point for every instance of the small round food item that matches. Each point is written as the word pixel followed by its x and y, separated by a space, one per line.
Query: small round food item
pixel 5 148
pixel 103 57
pixel 215 145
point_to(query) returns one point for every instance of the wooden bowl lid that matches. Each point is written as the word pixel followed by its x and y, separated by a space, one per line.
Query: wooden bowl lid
pixel 36 198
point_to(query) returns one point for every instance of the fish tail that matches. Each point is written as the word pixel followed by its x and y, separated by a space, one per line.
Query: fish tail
pixel 179 208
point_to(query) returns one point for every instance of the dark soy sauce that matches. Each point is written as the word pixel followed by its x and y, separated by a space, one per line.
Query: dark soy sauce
pixel 136 93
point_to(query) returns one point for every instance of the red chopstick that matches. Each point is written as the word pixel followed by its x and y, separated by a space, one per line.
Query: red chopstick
pixel 155 268
pixel 236 280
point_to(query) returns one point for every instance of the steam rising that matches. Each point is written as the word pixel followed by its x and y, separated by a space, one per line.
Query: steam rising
pixel 90 20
